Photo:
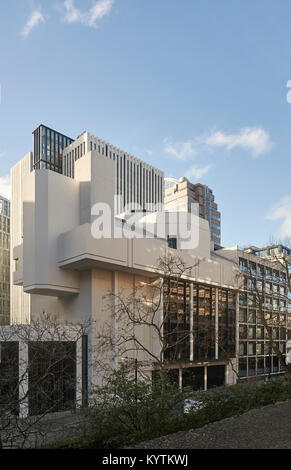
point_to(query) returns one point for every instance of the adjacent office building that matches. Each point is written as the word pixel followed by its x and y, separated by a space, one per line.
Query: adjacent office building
pixel 4 261
pixel 183 195
pixel 265 279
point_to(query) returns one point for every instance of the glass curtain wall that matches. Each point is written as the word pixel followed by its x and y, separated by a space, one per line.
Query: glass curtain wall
pixel 177 321
pixel 48 149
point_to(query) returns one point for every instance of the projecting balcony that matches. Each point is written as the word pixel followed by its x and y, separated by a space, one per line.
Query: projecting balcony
pixel 78 250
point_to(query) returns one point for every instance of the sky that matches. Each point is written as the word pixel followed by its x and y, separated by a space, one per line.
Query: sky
pixel 198 88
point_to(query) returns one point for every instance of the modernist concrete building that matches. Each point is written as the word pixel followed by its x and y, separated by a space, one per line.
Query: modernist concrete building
pixel 183 195
pixel 60 266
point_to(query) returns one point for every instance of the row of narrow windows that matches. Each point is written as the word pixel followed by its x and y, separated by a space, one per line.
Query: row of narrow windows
pixel 134 182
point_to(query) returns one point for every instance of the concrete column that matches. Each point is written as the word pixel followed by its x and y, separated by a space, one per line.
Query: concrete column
pixel 155 343
pixel 180 378
pixel 79 373
pixel 205 378
pixel 114 326
pixel 90 363
pixel 191 324
pixel 23 379
pixel 216 324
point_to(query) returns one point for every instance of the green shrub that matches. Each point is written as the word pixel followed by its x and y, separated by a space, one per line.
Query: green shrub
pixel 125 410
pixel 126 413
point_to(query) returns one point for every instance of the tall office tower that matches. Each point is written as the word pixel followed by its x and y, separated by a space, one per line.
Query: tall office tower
pixel 139 185
pixel 4 261
pixel 48 149
pixel 182 195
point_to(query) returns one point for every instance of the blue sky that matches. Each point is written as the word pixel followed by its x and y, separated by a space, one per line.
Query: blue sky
pixel 195 87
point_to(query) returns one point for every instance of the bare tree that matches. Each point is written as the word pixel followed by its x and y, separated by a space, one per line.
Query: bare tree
pixel 146 327
pixel 150 325
pixel 37 377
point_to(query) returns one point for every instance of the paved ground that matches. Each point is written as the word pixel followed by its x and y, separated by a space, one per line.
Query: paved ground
pixel 264 428
pixel 51 428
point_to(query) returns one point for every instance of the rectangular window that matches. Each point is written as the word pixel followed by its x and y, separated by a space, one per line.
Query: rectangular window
pixel 172 242
pixel 243 348
pixel 251 316
pixel 242 367
pixel 243 264
pixel 260 270
pixel 242 331
pixel 251 332
pixel 253 268
pixel 251 349
pixel 260 332
pixel 269 274
pixel 251 366
pixel 260 366
pixel 259 349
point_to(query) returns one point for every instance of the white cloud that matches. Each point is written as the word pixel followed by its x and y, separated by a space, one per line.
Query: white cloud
pixel 180 150
pixel 100 9
pixel 35 19
pixel 186 151
pixel 282 211
pixel 255 139
pixel 197 172
pixel 5 186
pixel 73 15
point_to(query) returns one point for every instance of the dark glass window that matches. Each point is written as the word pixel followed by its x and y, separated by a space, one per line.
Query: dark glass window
pixel 243 315
pixel 177 319
pixel 48 149
pixel 275 364
pixel 172 242
pixel 252 366
pixel 242 367
pixel 260 365
pixel 243 348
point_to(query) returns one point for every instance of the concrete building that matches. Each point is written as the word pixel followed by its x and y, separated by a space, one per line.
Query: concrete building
pixel 4 261
pixel 138 185
pixel 183 195
pixel 59 265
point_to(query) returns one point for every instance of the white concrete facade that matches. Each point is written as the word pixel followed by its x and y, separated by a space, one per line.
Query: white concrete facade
pixel 138 184
pixel 57 266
